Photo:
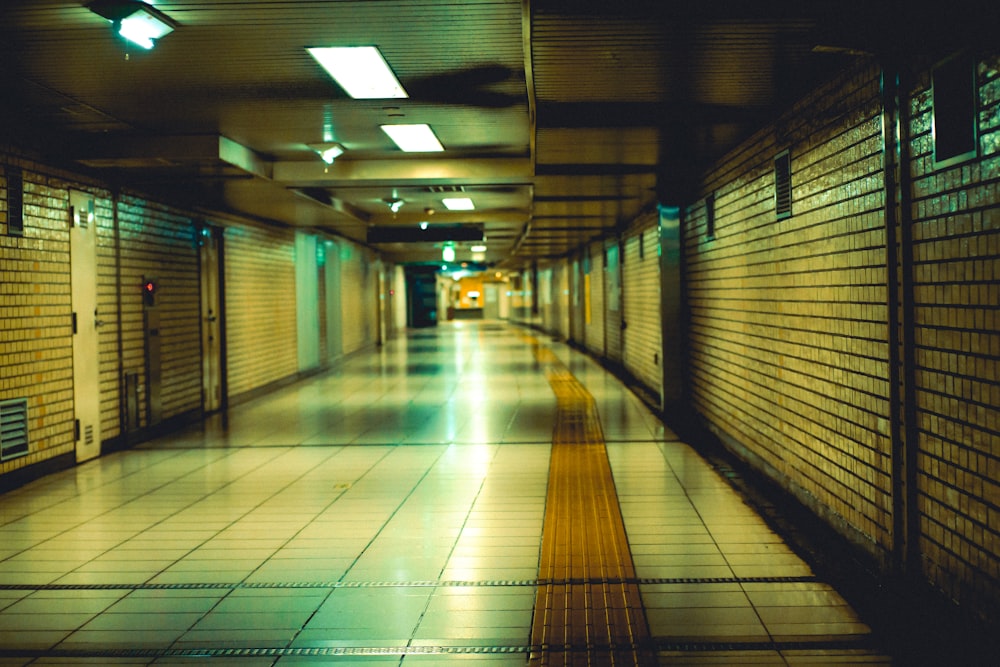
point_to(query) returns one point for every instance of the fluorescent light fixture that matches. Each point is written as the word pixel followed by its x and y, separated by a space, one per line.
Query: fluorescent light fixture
pixel 458 204
pixel 136 21
pixel 414 138
pixel 448 253
pixel 360 70
pixel 328 151
pixel 478 248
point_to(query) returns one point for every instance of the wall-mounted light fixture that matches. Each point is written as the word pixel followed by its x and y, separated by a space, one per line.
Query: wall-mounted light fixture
pixel 328 150
pixel 136 21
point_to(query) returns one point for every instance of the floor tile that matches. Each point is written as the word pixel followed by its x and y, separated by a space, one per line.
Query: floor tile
pixel 340 512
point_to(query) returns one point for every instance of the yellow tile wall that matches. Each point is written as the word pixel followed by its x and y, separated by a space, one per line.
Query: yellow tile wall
pixel 788 335
pixel 138 238
pixel 36 353
pixel 157 242
pixel 956 274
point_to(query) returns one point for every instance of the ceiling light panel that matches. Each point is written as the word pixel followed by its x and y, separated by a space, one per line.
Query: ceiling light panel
pixel 414 138
pixel 458 204
pixel 360 70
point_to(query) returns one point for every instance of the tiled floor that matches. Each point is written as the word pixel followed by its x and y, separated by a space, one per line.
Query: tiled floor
pixel 391 511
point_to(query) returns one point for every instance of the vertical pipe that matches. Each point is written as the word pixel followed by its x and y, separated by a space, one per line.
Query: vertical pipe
pixel 899 297
pixel 908 329
pixel 890 147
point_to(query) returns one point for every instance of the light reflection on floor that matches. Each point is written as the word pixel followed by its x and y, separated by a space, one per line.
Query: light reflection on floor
pixel 390 511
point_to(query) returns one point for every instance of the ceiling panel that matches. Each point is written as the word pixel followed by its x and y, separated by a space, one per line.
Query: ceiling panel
pixel 563 120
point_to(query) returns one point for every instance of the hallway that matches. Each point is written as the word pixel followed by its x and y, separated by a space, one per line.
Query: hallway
pixel 397 510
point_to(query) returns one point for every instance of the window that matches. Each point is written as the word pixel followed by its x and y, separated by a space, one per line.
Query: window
pixel 783 185
pixel 953 124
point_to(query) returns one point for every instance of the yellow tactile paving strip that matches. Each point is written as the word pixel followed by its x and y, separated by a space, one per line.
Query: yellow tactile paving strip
pixel 587 610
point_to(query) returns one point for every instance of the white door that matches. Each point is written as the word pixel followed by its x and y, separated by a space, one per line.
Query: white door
pixel 211 323
pixel 86 320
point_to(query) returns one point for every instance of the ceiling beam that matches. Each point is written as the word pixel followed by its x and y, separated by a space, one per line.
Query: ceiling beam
pixel 420 171
pixel 174 150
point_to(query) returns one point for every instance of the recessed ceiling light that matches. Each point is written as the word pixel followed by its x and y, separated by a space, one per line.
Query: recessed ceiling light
pixel 414 138
pixel 458 204
pixel 360 70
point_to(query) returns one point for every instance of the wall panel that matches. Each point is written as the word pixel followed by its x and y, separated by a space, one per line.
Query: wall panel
pixel 260 307
pixel 359 285
pixel 593 293
pixel 546 304
pixel 561 297
pixel 576 300
pixel 642 345
pixel 613 306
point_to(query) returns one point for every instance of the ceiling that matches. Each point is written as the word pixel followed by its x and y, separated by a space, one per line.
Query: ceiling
pixel 561 120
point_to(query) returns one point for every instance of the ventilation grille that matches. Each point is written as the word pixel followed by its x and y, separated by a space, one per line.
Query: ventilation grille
pixel 13 428
pixel 783 185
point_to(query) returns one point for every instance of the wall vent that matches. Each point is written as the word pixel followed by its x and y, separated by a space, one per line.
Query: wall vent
pixel 783 185
pixel 13 428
